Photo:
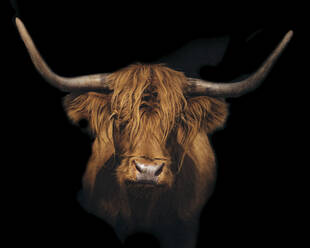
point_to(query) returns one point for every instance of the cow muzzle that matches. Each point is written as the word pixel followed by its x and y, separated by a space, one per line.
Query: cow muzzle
pixel 147 172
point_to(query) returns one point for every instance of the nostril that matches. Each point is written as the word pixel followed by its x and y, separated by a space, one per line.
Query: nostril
pixel 159 170
pixel 138 167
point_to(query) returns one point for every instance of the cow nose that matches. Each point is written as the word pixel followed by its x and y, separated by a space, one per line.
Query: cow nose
pixel 148 172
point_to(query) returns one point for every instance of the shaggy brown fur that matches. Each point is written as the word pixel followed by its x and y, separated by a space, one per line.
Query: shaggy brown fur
pixel 148 115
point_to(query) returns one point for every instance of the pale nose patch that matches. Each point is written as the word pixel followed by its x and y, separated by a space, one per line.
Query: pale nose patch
pixel 148 172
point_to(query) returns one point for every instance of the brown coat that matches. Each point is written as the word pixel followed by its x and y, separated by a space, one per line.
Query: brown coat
pixel 148 117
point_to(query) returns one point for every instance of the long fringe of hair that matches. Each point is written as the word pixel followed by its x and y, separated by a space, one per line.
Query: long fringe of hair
pixel 129 85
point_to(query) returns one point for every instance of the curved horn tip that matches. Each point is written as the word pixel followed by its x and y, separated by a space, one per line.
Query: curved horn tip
pixel 18 21
pixel 289 35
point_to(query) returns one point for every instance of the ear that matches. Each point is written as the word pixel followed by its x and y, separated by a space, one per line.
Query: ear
pixel 208 112
pixel 91 106
pixel 76 107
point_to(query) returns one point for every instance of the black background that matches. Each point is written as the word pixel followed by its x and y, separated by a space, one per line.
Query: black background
pixel 256 198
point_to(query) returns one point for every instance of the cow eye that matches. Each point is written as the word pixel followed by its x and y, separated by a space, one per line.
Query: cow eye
pixel 146 98
pixel 122 126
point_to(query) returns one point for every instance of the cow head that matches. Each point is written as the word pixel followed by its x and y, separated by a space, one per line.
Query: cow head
pixel 145 117
pixel 144 123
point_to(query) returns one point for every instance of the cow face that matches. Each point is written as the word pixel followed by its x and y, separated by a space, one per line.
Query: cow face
pixel 146 122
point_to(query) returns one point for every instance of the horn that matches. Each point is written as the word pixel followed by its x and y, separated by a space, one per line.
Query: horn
pixel 235 89
pixel 96 82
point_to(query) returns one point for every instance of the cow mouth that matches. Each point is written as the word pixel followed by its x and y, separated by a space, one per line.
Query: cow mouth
pixel 143 183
